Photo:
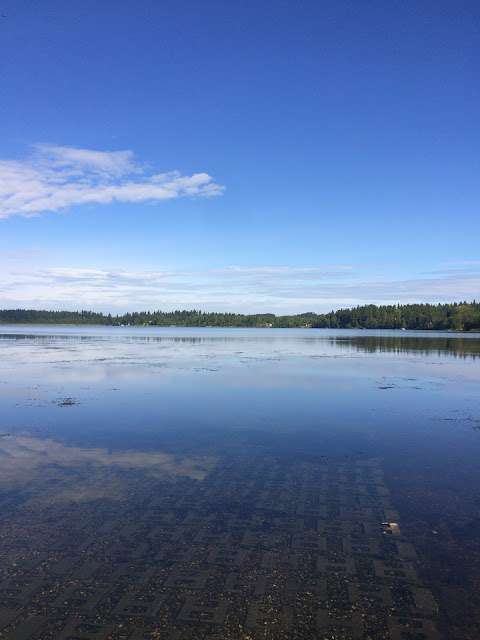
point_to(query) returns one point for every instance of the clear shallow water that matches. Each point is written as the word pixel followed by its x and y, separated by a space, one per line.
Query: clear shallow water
pixel 107 408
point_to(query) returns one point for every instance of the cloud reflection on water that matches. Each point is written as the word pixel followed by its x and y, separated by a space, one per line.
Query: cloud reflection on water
pixel 77 474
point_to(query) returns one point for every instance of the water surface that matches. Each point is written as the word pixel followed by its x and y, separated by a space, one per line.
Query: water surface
pixel 97 421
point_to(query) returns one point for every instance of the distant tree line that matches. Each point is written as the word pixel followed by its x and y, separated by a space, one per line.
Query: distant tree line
pixel 457 316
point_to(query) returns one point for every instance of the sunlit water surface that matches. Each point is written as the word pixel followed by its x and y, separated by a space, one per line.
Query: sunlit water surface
pixel 137 388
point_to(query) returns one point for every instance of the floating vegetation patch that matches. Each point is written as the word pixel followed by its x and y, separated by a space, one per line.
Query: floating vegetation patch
pixel 66 402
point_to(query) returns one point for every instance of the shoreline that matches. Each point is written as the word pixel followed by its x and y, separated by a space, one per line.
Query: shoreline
pixel 260 327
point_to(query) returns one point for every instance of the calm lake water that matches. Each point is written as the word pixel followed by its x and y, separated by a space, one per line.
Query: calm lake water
pixel 97 422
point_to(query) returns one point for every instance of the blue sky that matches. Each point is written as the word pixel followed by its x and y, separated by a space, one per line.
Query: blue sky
pixel 253 156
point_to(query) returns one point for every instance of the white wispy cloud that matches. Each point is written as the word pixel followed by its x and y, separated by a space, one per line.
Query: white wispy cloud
pixel 53 177
pixel 245 289
pixel 286 271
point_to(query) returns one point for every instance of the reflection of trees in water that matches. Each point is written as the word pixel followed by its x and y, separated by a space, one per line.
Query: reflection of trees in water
pixel 74 338
pixel 466 347
pixel 458 347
